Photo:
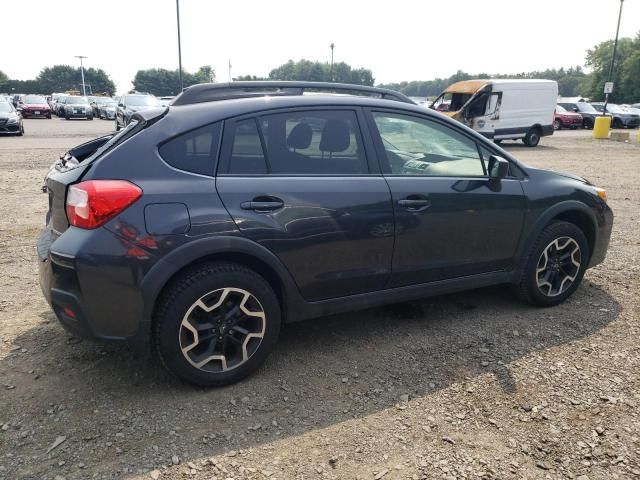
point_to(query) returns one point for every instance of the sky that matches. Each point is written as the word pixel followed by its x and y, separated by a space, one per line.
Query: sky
pixel 398 40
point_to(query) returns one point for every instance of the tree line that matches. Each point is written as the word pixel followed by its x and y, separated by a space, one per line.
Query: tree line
pixel 573 81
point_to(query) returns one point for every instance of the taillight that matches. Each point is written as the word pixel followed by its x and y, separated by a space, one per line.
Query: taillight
pixel 92 203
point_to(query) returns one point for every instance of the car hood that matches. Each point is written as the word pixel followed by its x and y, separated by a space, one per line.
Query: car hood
pixel 546 172
pixel 7 115
pixel 77 105
pixel 35 105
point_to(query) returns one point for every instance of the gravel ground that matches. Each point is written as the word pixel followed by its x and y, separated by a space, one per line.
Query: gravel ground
pixel 471 385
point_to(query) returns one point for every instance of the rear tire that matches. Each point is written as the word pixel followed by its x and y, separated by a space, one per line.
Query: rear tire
pixel 532 138
pixel 557 124
pixel 617 123
pixel 216 323
pixel 588 123
pixel 555 265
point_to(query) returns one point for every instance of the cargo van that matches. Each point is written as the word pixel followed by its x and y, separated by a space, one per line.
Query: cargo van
pixel 502 109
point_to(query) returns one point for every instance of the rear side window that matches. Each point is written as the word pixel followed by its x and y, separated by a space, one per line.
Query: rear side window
pixel 299 143
pixel 194 151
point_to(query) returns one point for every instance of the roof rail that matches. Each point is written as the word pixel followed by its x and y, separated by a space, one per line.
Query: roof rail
pixel 210 92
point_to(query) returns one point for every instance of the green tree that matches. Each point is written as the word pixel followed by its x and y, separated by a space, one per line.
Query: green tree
pixel 60 78
pixel 626 72
pixel 308 70
pixel 163 82
pixel 3 77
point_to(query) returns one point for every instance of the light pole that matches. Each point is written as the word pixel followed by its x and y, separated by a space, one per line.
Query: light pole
pixel 179 45
pixel 613 57
pixel 81 57
pixel 331 70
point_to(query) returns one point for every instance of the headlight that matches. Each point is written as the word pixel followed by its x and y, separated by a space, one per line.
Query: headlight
pixel 601 192
pixel 13 120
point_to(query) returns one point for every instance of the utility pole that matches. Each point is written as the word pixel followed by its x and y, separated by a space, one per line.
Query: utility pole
pixel 331 70
pixel 613 58
pixel 179 45
pixel 81 57
pixel 230 79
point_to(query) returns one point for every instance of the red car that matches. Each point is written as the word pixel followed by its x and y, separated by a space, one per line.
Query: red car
pixel 565 119
pixel 33 106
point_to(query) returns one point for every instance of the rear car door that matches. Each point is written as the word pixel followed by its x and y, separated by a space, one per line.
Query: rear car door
pixel 301 184
pixel 451 219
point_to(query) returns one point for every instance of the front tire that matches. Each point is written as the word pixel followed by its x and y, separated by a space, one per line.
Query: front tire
pixel 216 323
pixel 555 265
pixel 557 124
pixel 588 123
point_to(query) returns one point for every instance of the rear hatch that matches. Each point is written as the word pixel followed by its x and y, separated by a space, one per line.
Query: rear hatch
pixel 71 166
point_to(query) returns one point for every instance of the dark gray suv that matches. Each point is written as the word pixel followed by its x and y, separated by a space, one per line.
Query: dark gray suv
pixel 203 227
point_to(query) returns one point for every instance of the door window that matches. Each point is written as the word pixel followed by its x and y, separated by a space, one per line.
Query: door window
pixel 417 146
pixel 299 143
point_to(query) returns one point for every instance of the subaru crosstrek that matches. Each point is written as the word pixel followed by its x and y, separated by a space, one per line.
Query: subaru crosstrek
pixel 201 228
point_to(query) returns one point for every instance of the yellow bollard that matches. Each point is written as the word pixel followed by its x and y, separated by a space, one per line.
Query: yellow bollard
pixel 601 127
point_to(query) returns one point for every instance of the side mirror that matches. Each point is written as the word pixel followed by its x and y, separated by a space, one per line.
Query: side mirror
pixel 498 167
pixel 575 109
pixel 121 105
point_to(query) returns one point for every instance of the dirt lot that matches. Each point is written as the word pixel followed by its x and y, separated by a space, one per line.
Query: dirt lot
pixel 463 386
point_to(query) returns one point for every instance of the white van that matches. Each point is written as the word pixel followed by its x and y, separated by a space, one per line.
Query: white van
pixel 502 109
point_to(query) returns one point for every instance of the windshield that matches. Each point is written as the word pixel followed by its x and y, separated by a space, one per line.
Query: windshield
pixel 451 102
pixel 77 100
pixel 142 101
pixel 5 107
pixel 586 107
pixel 560 109
pixel 34 99
pixel 109 103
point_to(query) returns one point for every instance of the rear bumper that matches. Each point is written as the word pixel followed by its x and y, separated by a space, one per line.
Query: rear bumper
pixel 94 293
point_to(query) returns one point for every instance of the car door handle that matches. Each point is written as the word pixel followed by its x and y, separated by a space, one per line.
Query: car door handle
pixel 267 206
pixel 415 204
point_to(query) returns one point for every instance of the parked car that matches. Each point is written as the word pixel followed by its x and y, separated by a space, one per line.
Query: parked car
pixel 620 118
pixel 34 106
pixel 585 109
pixel 502 109
pixel 10 119
pixel 565 119
pixel 107 109
pixel 636 105
pixel 130 104
pixel 77 107
pixel 58 106
pixel 243 212
pixel 17 98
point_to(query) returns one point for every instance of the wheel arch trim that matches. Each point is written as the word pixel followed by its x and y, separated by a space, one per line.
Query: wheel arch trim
pixel 201 250
pixel 551 213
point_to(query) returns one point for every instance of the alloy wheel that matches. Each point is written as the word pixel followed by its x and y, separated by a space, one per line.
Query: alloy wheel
pixel 558 266
pixel 222 330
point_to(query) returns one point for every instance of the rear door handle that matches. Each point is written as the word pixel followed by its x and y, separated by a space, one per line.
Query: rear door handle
pixel 261 207
pixel 414 204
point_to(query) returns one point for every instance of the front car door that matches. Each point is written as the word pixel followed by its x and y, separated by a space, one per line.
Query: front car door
pixel 451 219
pixel 302 184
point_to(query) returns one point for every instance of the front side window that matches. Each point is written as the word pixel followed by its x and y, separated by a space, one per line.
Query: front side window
pixel 417 146
pixel 299 143
pixel 194 151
